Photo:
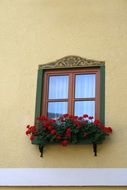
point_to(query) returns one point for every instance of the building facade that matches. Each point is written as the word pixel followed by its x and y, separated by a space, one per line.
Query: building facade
pixel 42 31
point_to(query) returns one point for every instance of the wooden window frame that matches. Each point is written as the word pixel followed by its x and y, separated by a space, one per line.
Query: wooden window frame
pixel 65 64
pixel 71 88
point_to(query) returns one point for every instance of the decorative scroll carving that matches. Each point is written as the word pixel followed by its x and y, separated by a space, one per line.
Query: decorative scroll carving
pixel 72 61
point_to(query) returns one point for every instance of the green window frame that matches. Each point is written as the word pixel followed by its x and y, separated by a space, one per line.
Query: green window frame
pixel 71 62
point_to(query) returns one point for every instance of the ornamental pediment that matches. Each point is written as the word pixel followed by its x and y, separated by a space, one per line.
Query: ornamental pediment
pixel 72 61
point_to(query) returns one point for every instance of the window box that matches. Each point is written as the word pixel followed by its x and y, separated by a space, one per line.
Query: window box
pixel 66 130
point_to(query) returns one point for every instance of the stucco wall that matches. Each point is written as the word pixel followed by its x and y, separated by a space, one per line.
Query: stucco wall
pixel 36 32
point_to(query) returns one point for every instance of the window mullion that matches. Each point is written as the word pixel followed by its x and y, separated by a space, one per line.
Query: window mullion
pixel 85 99
pixel 71 94
pixel 57 100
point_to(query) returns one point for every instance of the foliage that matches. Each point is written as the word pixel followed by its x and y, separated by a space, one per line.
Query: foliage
pixel 67 129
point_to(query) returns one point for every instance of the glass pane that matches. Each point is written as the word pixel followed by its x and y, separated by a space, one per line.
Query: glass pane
pixel 58 87
pixel 56 109
pixel 85 86
pixel 85 107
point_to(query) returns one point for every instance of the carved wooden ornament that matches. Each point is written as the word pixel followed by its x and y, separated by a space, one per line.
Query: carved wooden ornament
pixel 72 61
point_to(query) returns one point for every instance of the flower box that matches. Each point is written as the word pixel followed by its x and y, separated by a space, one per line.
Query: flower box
pixel 67 129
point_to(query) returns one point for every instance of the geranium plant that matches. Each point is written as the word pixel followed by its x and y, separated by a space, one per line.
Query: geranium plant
pixel 67 129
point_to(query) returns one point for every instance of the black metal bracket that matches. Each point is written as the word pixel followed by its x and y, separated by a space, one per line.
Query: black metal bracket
pixel 41 148
pixel 95 149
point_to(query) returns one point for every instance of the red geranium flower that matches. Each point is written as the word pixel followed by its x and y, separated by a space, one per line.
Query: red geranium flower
pixel 50 127
pixel 96 122
pixel 31 129
pixel 90 117
pixel 52 121
pixel 71 116
pixel 32 137
pixel 65 115
pixel 61 118
pixel 107 129
pixel 68 132
pixel 80 118
pixel 85 115
pixel 77 123
pixel 28 132
pixel 64 142
pixel 75 117
pixel 53 132
pixel 27 126
pixel 58 136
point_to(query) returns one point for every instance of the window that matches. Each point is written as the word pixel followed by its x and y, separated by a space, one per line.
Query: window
pixel 73 91
pixel 71 85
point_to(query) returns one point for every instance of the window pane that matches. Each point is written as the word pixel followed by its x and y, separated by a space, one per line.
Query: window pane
pixel 56 109
pixel 58 87
pixel 85 107
pixel 85 86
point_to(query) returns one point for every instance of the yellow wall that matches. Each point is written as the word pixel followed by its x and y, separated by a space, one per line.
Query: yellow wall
pixel 34 32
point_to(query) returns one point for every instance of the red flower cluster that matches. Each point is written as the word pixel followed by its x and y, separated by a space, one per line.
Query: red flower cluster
pixel 106 130
pixel 31 130
pixel 67 129
pixel 68 132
